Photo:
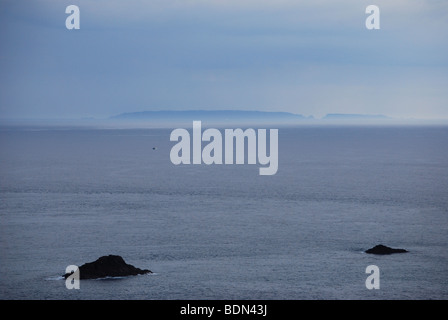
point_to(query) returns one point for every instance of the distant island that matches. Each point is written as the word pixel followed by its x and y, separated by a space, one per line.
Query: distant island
pixel 235 115
pixel 210 115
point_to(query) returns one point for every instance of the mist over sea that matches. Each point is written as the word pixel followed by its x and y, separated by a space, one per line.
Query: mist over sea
pixel 69 196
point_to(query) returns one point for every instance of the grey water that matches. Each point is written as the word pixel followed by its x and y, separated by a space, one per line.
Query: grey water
pixel 69 196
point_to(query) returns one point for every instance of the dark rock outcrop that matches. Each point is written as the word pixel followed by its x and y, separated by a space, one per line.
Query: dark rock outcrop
pixel 381 249
pixel 108 266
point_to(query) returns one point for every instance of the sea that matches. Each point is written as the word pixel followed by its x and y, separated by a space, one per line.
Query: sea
pixel 69 195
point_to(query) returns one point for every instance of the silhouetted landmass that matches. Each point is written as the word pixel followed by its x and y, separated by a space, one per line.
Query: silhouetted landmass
pixel 381 249
pixel 234 116
pixel 208 115
pixel 108 266
pixel 348 116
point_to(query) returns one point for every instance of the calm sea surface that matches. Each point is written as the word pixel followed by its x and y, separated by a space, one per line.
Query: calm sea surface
pixel 223 231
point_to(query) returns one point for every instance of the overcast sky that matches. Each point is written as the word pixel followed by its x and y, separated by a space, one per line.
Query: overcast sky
pixel 309 57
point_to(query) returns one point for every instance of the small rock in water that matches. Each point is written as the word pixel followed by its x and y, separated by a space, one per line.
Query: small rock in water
pixel 381 249
pixel 108 266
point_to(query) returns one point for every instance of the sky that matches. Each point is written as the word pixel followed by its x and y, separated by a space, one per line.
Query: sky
pixel 305 57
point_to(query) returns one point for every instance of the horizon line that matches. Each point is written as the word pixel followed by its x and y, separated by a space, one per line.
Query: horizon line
pixel 334 116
